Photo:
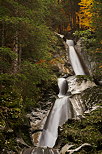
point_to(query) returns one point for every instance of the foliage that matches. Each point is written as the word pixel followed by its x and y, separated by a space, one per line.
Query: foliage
pixel 25 44
pixel 19 94
pixel 28 44
pixel 85 14
pixel 70 9
pixel 6 59
pixel 88 130
pixel 87 37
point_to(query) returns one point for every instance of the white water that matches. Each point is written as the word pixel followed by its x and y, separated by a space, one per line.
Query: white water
pixel 60 113
pixel 76 65
pixel 63 87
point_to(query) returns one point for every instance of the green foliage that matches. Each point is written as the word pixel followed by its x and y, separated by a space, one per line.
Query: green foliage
pixel 6 59
pixel 88 130
pixel 87 37
pixel 19 94
pixel 97 21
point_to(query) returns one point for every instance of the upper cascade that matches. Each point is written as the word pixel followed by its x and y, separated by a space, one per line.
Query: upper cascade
pixel 75 61
pixel 70 42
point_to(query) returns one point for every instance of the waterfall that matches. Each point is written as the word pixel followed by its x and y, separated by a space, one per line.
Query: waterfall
pixel 62 109
pixel 76 64
pixel 63 87
pixel 60 113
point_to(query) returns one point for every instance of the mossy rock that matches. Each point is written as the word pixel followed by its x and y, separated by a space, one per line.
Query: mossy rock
pixel 92 96
pixel 88 130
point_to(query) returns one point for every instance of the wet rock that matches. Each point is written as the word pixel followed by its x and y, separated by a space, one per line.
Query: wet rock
pixel 86 57
pixel 40 150
pixel 37 120
pixel 78 85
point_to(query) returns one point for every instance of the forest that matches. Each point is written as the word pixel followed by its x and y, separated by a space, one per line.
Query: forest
pixel 28 49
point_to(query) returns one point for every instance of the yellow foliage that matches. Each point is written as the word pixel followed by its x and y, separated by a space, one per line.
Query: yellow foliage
pixel 85 13
pixel 100 66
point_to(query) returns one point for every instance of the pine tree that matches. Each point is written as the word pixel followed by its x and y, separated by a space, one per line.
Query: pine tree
pixel 71 9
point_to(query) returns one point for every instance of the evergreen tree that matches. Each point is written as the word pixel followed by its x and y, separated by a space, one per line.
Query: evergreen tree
pixel 71 8
pixel 97 26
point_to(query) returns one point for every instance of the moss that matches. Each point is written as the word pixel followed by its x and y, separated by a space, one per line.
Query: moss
pixel 92 96
pixel 80 78
pixel 87 130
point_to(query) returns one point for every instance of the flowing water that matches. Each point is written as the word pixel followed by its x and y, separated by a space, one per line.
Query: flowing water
pixel 60 113
pixel 75 61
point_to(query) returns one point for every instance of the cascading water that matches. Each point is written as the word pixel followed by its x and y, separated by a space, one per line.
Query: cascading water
pixel 76 64
pixel 63 108
pixel 60 113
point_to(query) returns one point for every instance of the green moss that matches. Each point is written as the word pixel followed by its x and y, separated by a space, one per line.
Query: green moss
pixel 80 78
pixel 87 130
pixel 92 95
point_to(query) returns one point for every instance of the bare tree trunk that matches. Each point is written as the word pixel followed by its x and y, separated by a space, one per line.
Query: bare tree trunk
pixel 19 55
pixel 16 50
pixel 3 33
pixel 74 20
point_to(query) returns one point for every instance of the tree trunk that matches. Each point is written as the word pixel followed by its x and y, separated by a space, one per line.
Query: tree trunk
pixel 16 50
pixel 3 33
pixel 19 55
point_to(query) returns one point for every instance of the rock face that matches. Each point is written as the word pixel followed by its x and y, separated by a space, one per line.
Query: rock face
pixel 40 150
pixel 60 61
pixel 77 85
pixel 76 88
pixel 85 56
pixel 37 120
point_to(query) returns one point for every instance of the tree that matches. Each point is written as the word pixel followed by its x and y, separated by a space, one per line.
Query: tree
pixel 97 26
pixel 85 14
pixel 97 19
pixel 70 9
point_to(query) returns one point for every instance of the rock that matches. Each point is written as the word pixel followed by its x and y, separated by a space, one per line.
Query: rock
pixel 40 150
pixel 79 148
pixel 78 85
pixel 21 141
pixel 37 120
pixel 78 105
pixel 65 148
pixel 86 57
pixel 35 137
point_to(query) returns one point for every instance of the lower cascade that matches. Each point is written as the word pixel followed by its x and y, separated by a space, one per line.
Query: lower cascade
pixel 60 113
pixel 62 110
